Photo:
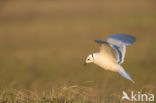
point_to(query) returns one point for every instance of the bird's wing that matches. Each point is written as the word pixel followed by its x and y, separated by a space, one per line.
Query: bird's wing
pixel 123 73
pixel 119 43
pixel 107 51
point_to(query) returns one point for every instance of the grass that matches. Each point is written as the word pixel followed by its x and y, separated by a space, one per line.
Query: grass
pixel 43 45
pixel 66 94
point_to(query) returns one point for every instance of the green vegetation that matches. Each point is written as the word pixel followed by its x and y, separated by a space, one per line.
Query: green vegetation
pixel 43 45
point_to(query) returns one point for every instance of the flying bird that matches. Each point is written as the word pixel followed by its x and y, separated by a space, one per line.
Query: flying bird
pixel 112 53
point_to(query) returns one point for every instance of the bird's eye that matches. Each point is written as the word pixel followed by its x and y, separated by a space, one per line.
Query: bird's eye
pixel 88 59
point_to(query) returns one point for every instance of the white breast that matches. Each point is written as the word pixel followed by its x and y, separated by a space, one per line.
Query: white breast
pixel 106 63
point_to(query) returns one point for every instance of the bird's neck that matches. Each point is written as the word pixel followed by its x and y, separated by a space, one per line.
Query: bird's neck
pixel 95 55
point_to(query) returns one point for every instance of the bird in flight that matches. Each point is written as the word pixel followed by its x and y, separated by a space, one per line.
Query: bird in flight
pixel 112 53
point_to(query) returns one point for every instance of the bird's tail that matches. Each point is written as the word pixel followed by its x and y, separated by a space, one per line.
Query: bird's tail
pixel 123 73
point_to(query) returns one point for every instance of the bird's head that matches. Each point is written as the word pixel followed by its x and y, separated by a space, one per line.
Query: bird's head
pixel 89 59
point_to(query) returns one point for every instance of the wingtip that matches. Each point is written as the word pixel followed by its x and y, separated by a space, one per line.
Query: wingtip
pixel 125 38
pixel 101 41
pixel 123 73
pixel 133 81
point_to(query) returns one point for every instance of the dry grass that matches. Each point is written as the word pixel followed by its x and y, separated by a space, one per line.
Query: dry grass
pixel 67 94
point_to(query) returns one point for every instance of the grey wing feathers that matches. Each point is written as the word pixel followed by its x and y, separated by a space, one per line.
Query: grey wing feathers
pixel 124 38
pixel 107 50
pixel 119 43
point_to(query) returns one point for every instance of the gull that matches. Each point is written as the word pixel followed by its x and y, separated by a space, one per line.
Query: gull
pixel 112 53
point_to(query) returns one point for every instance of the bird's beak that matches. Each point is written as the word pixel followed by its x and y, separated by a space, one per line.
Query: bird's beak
pixel 85 64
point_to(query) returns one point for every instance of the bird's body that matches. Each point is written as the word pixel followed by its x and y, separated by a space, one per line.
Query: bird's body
pixel 112 53
pixel 105 62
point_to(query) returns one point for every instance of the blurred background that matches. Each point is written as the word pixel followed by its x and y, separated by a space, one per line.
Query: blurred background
pixel 44 43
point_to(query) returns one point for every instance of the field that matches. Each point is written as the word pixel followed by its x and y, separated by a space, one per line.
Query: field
pixel 43 46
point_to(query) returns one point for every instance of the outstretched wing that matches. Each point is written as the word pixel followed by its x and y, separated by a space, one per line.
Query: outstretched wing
pixel 124 74
pixel 119 43
pixel 107 51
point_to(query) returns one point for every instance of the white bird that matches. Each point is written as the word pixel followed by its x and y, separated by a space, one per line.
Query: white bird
pixel 112 53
